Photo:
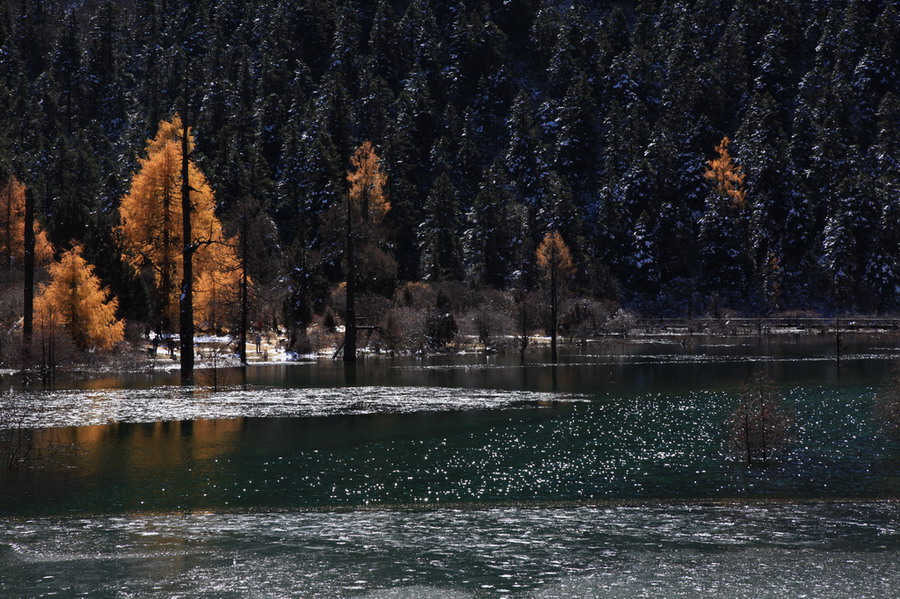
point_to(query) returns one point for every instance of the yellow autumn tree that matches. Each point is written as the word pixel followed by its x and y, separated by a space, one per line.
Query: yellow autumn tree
pixel 76 301
pixel 217 286
pixel 150 233
pixel 727 176
pixel 367 182
pixel 12 227
pixel 555 260
pixel 357 221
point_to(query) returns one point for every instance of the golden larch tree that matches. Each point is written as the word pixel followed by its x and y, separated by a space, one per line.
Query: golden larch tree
pixel 12 227
pixel 150 232
pixel 727 176
pixel 555 261
pixel 217 286
pixel 367 185
pixel 365 209
pixel 76 300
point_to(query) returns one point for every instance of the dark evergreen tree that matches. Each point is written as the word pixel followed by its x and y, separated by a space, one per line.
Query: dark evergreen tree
pixel 497 229
pixel 439 233
pixel 594 115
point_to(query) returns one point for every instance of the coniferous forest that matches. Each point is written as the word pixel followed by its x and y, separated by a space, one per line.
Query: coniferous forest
pixel 686 156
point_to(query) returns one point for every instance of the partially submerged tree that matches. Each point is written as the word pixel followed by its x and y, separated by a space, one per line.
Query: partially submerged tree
pixel 759 426
pixel 555 260
pixel 76 301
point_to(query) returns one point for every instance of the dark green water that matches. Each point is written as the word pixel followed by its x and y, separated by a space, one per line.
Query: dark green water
pixel 607 475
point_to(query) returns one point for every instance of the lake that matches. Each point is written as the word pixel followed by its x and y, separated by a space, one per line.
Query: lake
pixel 607 474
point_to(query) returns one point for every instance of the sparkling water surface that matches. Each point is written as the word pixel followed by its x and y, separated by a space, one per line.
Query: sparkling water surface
pixel 605 476
pixel 731 551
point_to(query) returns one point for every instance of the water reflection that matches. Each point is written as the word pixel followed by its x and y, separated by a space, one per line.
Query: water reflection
pixel 651 447
pixel 630 366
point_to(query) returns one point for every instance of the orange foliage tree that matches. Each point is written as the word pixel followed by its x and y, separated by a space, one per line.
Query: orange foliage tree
pixel 12 227
pixel 725 262
pixel 727 176
pixel 363 212
pixel 151 238
pixel 555 260
pixel 367 182
pixel 76 301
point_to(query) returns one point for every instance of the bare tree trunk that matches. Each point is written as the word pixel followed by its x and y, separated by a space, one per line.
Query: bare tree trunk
pixel 553 310
pixel 350 314
pixel 186 303
pixel 165 325
pixel 7 250
pixel 244 303
pixel 28 320
pixel 523 344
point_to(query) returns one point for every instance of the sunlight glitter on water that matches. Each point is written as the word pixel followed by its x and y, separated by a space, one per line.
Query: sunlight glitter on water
pixel 735 551
pixel 86 408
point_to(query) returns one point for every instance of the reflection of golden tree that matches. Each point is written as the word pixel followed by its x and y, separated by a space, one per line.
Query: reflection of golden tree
pixel 887 404
pixel 151 233
pixel 12 227
pixel 76 300
pixel 760 423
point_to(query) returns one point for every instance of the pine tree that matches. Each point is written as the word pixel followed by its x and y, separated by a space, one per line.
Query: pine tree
pixel 882 273
pixel 555 260
pixel 722 228
pixel 496 234
pixel 357 222
pixel 12 227
pixel 524 157
pixel 840 250
pixel 764 151
pixel 150 231
pixel 439 233
pixel 644 267
pixel 76 300
pixel 258 259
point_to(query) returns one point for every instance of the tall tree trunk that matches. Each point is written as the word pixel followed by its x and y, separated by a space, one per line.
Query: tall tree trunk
pixel 164 323
pixel 523 344
pixel 186 303
pixel 7 249
pixel 350 315
pixel 244 301
pixel 553 309
pixel 28 320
